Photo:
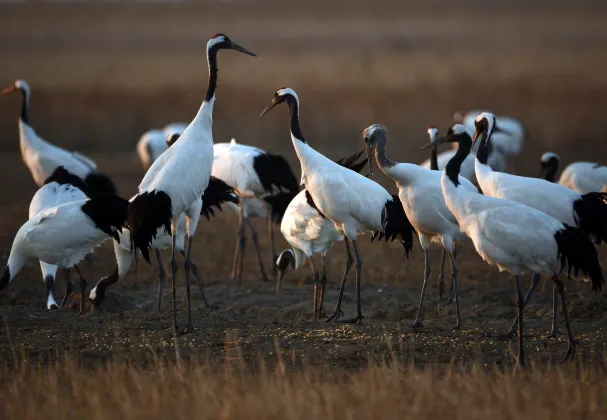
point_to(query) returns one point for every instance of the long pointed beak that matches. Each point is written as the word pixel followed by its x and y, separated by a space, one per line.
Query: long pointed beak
pixel 242 50
pixel 7 90
pixel 281 274
pixel 369 159
pixel 268 108
pixel 436 142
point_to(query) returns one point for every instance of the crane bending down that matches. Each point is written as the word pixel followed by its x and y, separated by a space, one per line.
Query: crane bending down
pixel 216 194
pixel 353 203
pixel 59 188
pixel 420 193
pixel 176 181
pixel 583 177
pixel 587 212
pixel 515 237
pixel 42 157
pixel 309 232
pixel 63 235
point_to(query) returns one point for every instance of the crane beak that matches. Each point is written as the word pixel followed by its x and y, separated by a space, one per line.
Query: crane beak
pixel 268 108
pixel 369 159
pixel 7 90
pixel 238 48
pixel 435 142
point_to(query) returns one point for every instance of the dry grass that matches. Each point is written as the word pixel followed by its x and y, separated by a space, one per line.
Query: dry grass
pixel 200 390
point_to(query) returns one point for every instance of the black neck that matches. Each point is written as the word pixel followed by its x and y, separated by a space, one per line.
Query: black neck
pixel 455 164
pixel 550 174
pixel 294 112
pixel 24 106
pixel 433 159
pixel 212 58
pixel 482 153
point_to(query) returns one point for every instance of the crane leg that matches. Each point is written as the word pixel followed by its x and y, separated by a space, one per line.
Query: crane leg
pixel 174 274
pixel 68 287
pixel 358 264
pixel 273 247
pixel 512 331
pixel 240 244
pixel 441 277
pixel 349 260
pixel 323 282
pixel 454 279
pixel 187 265
pixel 520 307
pixel 450 301
pixel 572 342
pixel 82 290
pixel 315 281
pixel 418 320
pixel 555 309
pixel 199 282
pixel 255 239
pixel 161 279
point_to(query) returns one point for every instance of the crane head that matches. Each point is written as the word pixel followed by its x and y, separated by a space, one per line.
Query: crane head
pixel 549 161
pixel 222 42
pixel 281 95
pixel 285 259
pixel 19 84
pixel 172 138
pixel 432 132
pixel 373 135
pixel 453 135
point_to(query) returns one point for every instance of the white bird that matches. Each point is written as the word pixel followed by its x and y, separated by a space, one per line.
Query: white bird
pixel 176 181
pixel 583 177
pixel 420 193
pixel 61 187
pixel 354 203
pixel 63 235
pixel 153 142
pixel 515 237
pixel 216 194
pixel 309 232
pixel 42 157
pixel 510 141
pixel 266 185
pixel 587 212
pixel 496 158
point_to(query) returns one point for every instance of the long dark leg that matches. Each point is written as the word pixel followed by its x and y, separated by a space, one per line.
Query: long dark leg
pixel 82 290
pixel 199 282
pixel 273 246
pixel 174 275
pixel 187 266
pixel 161 278
pixel 450 301
pixel 534 282
pixel 358 262
pixel 323 282
pixel 520 307
pixel 337 312
pixel 255 239
pixel 418 320
pixel 315 280
pixel 454 274
pixel 572 342
pixel 555 309
pixel 68 287
pixel 240 244
pixel 441 277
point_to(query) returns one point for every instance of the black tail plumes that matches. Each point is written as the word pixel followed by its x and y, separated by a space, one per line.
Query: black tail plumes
pixel 100 184
pixel 217 193
pixel 108 212
pixel 395 223
pixel 279 203
pixel 146 214
pixel 274 173
pixel 351 163
pixel 591 215
pixel 576 251
pixel 64 177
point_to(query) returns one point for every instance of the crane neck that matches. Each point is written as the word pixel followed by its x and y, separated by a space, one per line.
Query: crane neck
pixel 455 163
pixel 433 159
pixel 484 149
pixel 25 102
pixel 383 162
pixel 550 174
pixel 213 71
pixel 294 118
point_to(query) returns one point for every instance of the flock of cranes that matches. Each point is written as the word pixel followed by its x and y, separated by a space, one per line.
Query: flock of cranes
pixel 518 224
